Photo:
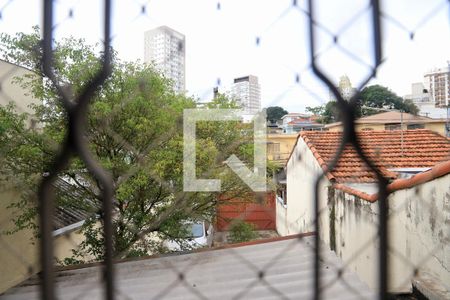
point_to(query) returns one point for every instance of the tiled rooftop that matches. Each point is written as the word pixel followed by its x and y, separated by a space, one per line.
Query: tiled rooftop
pixel 72 212
pixel 387 149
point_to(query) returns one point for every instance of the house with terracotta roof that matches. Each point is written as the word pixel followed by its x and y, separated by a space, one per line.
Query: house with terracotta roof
pixel 394 120
pixel 296 122
pixel 416 164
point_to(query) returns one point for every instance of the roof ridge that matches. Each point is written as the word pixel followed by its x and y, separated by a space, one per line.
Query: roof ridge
pixel 437 171
pixel 420 148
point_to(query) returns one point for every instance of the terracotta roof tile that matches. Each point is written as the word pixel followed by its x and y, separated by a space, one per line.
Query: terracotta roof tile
pixel 386 149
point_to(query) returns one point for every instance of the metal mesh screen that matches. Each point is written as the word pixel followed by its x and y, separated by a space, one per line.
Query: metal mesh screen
pixel 320 34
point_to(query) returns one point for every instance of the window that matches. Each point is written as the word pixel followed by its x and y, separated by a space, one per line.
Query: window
pixel 273 148
pixel 416 126
pixel 393 126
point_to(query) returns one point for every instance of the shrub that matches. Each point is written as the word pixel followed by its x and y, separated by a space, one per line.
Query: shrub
pixel 242 232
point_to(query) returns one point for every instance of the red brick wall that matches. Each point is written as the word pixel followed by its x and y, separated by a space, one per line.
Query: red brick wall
pixel 261 215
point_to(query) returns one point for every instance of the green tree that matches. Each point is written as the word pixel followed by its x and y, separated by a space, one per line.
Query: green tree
pixel 134 129
pixel 378 96
pixel 274 113
pixel 328 113
pixel 375 96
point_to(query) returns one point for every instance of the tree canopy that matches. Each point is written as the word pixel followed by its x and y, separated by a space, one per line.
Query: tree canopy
pixel 372 100
pixel 134 129
pixel 378 96
pixel 274 113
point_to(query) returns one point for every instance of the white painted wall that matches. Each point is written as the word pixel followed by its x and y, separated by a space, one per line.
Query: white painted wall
pixel 419 234
pixel 302 171
pixel 281 217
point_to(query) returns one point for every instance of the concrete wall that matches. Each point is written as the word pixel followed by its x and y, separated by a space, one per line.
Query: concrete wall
pixel 418 228
pixel 354 237
pixel 421 228
pixel 302 171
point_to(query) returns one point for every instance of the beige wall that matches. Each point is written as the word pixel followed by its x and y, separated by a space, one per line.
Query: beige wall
pixel 18 254
pixel 438 127
pixel 286 142
pixel 359 127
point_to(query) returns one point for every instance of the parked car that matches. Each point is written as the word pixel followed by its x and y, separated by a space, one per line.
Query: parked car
pixel 199 234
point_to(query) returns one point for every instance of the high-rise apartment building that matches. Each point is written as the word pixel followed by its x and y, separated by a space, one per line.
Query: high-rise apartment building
pixel 437 82
pixel 248 92
pixel 165 48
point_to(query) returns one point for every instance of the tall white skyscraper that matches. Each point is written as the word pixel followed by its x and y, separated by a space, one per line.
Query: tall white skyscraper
pixel 165 47
pixel 248 92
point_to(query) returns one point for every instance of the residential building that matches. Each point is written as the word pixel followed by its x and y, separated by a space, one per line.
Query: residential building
pixel 437 81
pixel 296 122
pixel 252 270
pixel 394 120
pixel 420 96
pixel 301 124
pixel 279 147
pixel 247 91
pixel 274 128
pixel 417 165
pixel 166 49
pixel 292 116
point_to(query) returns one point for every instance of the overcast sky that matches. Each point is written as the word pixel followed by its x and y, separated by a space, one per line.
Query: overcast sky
pixel 221 40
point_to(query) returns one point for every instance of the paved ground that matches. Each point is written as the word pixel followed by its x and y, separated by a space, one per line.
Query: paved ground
pixel 221 238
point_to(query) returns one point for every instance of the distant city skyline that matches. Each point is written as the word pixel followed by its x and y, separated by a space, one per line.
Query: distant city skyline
pixel 223 42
